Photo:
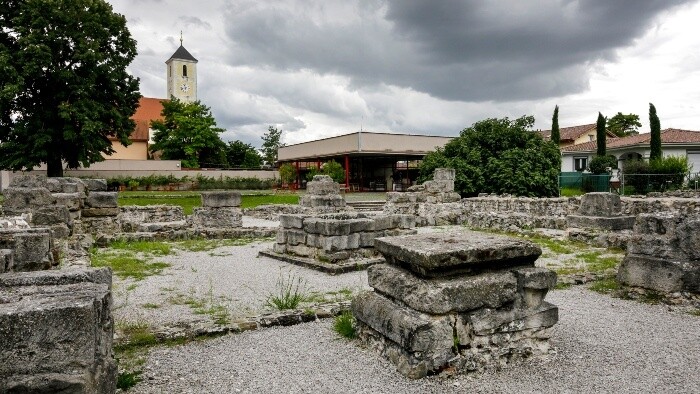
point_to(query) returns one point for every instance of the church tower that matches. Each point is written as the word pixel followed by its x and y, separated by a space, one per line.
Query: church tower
pixel 182 75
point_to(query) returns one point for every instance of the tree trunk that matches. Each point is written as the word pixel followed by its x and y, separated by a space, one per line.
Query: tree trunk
pixel 54 167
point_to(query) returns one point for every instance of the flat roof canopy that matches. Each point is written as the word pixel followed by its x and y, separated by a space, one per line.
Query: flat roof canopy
pixel 363 143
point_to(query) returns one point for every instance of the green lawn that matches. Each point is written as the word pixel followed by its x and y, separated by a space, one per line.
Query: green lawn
pixel 190 199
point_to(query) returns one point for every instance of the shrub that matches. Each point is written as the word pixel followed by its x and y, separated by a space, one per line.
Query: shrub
pixel 288 173
pixel 599 164
pixel 499 156
pixel 334 170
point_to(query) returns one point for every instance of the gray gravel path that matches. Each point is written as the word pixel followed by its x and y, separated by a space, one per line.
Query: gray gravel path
pixel 603 345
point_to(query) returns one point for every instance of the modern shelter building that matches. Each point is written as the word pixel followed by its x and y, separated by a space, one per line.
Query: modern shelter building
pixel 372 161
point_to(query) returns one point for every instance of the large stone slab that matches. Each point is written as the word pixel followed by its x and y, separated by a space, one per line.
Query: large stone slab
pixel 24 199
pixel 439 295
pixel 487 321
pixel 101 200
pixel 414 331
pixel 659 273
pixel 221 199
pixel 451 252
pixel 615 223
pixel 32 249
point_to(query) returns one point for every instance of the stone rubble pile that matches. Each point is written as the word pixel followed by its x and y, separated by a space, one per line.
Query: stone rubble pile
pixel 337 237
pixel 457 299
pixel 663 254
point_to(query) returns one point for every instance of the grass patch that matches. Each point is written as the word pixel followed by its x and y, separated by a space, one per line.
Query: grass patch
pixel 189 200
pixel 289 293
pixel 126 265
pixel 344 325
pixel 148 248
pixel 149 305
pixel 596 263
pixel 562 286
pixel 127 380
pixel 606 286
pixel 208 305
pixel 694 312
pixel 344 294
pixel 571 192
pixel 651 297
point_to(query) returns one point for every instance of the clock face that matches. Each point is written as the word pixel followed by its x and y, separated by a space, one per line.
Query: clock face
pixel 185 87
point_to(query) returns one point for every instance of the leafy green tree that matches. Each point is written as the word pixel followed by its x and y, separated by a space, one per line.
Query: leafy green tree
pixel 240 154
pixel 288 173
pixel 623 125
pixel 334 170
pixel 188 133
pixel 555 136
pixel 655 138
pixel 271 142
pixel 64 89
pixel 600 135
pixel 499 156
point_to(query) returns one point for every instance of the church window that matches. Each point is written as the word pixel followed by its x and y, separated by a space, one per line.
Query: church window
pixel 184 70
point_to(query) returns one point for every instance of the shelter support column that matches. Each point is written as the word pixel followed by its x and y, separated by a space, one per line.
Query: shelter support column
pixel 347 171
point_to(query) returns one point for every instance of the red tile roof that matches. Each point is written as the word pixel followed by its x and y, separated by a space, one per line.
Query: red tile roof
pixel 668 136
pixel 149 109
pixel 570 133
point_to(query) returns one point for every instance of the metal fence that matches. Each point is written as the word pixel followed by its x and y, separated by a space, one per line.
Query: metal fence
pixel 627 184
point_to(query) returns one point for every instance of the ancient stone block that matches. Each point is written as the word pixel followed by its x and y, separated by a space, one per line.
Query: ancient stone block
pixel 336 243
pixel 25 199
pixel 221 199
pixel 95 185
pixel 32 248
pixel 26 180
pixel 98 212
pixel 223 217
pixel 600 204
pixel 440 296
pixel 101 200
pixel 292 221
pixel 72 201
pixel 488 321
pixel 295 237
pixel 456 251
pixel 65 185
pixel 54 214
pixel 131 217
pixel 6 260
pixel 615 223
pixel 102 225
pixel 414 331
pixel 444 174
pixel 660 274
pixel 533 285
pixel 55 337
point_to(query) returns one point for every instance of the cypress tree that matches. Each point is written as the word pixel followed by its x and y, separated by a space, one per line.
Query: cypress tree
pixel 655 127
pixel 600 135
pixel 555 136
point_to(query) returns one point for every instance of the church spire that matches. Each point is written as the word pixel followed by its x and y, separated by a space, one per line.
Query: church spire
pixel 180 37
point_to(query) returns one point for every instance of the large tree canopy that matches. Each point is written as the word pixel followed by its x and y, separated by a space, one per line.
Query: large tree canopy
pixel 623 125
pixel 188 133
pixel 499 156
pixel 240 154
pixel 64 89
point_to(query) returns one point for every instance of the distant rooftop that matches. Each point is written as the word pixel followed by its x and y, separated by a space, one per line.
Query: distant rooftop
pixel 668 136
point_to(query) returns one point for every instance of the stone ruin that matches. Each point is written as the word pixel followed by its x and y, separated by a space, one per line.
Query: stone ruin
pixel 457 299
pixel 336 242
pixel 433 203
pixel 663 254
pixel 56 332
pixel 218 210
pixel 323 195
pixel 600 211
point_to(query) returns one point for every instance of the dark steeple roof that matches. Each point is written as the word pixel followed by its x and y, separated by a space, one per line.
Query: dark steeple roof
pixel 182 54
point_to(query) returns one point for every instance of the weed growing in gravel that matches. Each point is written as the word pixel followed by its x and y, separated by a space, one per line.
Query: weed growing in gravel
pixel 127 380
pixel 125 264
pixel 562 286
pixel 651 297
pixel 289 293
pixel 344 294
pixel 596 263
pixel 149 305
pixel 204 306
pixel 694 312
pixel 344 325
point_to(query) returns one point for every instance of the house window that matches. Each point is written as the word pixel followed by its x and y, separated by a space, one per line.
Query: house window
pixel 184 71
pixel 580 163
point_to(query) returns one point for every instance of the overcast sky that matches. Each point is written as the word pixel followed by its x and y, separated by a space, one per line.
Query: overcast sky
pixel 322 68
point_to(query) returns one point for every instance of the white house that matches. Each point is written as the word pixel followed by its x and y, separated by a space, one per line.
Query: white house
pixel 674 142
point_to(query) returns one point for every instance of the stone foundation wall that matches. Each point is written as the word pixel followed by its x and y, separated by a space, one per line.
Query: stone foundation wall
pixel 132 218
pixel 337 237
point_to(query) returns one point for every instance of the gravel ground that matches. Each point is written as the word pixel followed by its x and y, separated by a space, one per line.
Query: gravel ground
pixel 233 277
pixel 602 345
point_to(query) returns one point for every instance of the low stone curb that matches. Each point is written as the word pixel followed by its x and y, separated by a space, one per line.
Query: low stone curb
pixel 245 232
pixel 329 268
pixel 282 318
